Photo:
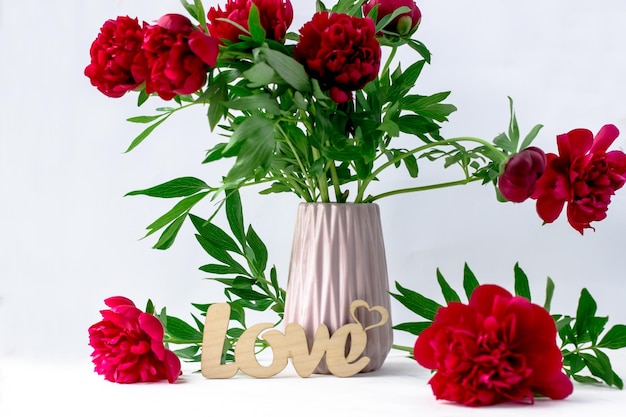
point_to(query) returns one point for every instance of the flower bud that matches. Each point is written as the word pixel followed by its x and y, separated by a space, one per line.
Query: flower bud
pixel 521 172
pixel 404 24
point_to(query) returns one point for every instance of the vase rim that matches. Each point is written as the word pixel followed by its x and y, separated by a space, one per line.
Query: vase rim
pixel 308 203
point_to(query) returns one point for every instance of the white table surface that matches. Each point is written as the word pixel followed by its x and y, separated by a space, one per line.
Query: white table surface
pixel 399 388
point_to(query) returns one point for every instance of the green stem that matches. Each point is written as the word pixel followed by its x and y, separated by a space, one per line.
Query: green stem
pixel 371 199
pixel 452 141
pixel 392 55
pixel 170 339
pixel 333 173
pixel 403 348
pixel 321 181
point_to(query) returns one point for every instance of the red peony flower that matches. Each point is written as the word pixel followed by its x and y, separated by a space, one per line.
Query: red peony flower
pixel 128 345
pixel 521 172
pixel 275 15
pixel 404 24
pixel 176 57
pixel 113 54
pixel 340 51
pixel 584 175
pixel 498 348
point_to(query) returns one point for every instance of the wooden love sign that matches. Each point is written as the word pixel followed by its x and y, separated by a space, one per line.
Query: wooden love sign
pixel 290 344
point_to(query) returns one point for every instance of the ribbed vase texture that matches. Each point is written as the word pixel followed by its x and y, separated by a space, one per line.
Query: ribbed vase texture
pixel 338 256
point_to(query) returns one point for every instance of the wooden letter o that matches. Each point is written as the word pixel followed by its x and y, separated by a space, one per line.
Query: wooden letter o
pixel 245 355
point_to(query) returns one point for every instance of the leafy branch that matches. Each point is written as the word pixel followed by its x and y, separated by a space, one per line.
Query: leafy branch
pixel 239 262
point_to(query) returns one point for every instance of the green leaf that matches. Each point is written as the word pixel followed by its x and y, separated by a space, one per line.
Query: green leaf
pixel 255 102
pixel 219 269
pixel 420 48
pixel 522 288
pixel 261 74
pixel 140 138
pixel 142 97
pixel 179 187
pixel 595 327
pixel 167 238
pixel 254 24
pixel 513 127
pixel 469 281
pixel 575 362
pixel 502 140
pixel 416 125
pixel 288 68
pixel 247 294
pixel 615 338
pixel 188 353
pixel 181 208
pixel 179 329
pixel 217 94
pixel 414 328
pixel 149 307
pixel 417 303
pixel 586 310
pixel 220 255
pixel 237 313
pixel 411 165
pixel 214 235
pixel 191 9
pixel 617 381
pixel 530 137
pixel 258 248
pixel 201 18
pixel 584 379
pixel 405 81
pixel 448 293
pixel 143 119
pixel 257 150
pixel 549 293
pixel 388 18
pixel 234 215
pixel 599 366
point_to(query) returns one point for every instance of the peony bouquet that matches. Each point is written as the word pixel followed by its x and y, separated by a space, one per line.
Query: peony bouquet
pixel 321 113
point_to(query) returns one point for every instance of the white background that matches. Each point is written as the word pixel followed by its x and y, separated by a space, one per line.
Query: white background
pixel 69 239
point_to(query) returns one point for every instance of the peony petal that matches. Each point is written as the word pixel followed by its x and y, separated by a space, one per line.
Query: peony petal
pixel 574 144
pixel 172 366
pixel 605 137
pixel 117 301
pixel 153 328
pixel 339 96
pixel 549 208
pixel 482 298
pixel 423 351
pixel 205 47
pixel 175 22
pixel 556 388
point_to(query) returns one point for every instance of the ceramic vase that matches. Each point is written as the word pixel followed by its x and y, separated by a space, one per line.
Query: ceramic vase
pixel 338 256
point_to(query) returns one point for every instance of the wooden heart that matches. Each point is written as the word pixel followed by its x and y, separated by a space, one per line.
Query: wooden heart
pixel 384 314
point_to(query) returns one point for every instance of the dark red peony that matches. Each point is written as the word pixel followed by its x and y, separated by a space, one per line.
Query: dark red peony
pixel 113 54
pixel 521 172
pixel 275 15
pixel 584 175
pixel 176 57
pixel 404 24
pixel 128 345
pixel 498 348
pixel 340 51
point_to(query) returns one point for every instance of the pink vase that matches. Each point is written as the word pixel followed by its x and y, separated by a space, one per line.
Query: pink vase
pixel 338 256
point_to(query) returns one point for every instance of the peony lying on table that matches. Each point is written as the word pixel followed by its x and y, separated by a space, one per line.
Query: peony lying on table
pixel 501 347
pixel 128 345
pixel 496 348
